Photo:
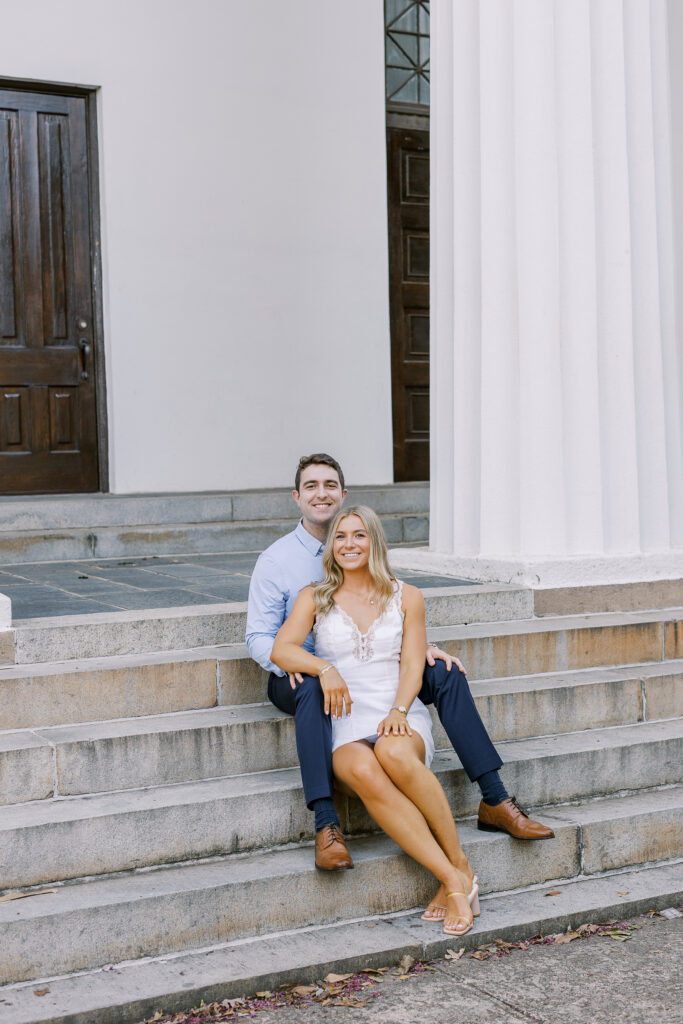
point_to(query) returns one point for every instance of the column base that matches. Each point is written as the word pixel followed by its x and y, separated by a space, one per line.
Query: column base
pixel 587 570
pixel 5 612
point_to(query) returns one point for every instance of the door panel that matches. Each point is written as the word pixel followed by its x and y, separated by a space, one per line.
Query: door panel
pixel 48 415
pixel 408 194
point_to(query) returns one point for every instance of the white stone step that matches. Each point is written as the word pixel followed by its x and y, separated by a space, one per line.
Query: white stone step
pixel 106 634
pixel 63 527
pixel 626 597
pixel 135 991
pixel 129 685
pixel 91 923
pixel 74 511
pixel 51 840
pixel 151 750
pixel 175 539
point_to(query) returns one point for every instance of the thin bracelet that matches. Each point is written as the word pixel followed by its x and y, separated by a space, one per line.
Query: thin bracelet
pixel 322 671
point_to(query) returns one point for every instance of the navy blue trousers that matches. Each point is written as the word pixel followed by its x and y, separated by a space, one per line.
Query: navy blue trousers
pixel 448 691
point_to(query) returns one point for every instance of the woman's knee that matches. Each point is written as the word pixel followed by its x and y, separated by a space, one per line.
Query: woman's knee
pixel 365 776
pixel 397 757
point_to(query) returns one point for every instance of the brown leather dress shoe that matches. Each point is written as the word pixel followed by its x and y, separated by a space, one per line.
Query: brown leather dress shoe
pixel 330 850
pixel 509 817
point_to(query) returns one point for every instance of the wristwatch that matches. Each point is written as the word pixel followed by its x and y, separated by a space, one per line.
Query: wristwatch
pixel 399 707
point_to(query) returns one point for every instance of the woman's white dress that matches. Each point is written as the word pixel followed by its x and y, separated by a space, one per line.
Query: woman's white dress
pixel 369 663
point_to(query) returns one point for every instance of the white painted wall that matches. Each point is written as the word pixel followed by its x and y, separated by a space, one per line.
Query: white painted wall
pixel 243 197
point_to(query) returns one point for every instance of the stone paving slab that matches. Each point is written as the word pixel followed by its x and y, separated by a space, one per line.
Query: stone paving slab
pixel 591 980
pixel 80 587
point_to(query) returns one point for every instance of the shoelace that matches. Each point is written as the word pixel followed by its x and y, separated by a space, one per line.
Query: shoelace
pixel 334 835
pixel 519 807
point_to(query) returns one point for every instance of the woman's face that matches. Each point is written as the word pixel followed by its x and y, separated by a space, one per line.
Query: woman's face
pixel 351 545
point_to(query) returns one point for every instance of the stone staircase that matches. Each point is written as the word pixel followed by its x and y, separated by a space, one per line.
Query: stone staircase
pixel 55 528
pixel 147 786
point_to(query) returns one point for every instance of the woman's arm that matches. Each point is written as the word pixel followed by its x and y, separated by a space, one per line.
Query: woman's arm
pixel 412 662
pixel 290 655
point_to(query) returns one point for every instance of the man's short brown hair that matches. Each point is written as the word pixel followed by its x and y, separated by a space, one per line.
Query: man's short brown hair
pixel 319 459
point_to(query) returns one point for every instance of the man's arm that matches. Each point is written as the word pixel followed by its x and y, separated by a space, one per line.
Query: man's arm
pixel 266 612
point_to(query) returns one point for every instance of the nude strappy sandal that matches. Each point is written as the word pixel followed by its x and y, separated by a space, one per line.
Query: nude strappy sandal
pixel 473 900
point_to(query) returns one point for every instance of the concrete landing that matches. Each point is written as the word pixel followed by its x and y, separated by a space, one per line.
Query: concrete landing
pixel 88 586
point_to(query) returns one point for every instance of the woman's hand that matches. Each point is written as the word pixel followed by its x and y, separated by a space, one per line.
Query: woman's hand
pixel 395 724
pixel 335 692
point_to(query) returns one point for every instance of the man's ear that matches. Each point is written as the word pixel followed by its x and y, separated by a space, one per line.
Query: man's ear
pixel 295 495
pixel 344 493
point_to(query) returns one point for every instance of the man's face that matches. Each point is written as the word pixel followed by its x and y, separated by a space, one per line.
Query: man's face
pixel 319 496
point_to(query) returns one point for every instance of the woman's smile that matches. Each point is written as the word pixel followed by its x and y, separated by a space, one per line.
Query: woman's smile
pixel 351 542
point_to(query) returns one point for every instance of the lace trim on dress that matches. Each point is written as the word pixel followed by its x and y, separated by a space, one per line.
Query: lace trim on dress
pixel 363 643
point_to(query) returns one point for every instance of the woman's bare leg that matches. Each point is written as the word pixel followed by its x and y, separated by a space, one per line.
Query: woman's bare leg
pixel 402 758
pixel 357 767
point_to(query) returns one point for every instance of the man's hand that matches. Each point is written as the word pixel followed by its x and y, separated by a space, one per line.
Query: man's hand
pixel 336 693
pixel 294 678
pixel 436 654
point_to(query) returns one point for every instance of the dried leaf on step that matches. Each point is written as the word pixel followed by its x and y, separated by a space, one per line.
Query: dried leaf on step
pixel 616 933
pixel 553 892
pixel 25 895
pixel 334 979
pixel 452 955
pixel 374 970
pixel 479 954
pixel 41 991
pixel 406 962
pixel 301 990
pixel 567 937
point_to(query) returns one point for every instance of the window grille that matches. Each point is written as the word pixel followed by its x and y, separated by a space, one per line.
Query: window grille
pixel 407 51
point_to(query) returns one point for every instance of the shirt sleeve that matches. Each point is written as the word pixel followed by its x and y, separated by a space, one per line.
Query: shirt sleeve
pixel 266 612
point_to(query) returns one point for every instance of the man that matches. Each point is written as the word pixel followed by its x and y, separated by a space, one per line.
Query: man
pixel 283 570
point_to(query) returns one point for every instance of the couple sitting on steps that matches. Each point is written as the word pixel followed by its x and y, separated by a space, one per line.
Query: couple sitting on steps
pixel 345 645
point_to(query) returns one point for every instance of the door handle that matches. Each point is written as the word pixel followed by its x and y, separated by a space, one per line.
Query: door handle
pixel 84 346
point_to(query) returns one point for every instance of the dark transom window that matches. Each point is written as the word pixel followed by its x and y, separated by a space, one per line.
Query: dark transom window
pixel 407 51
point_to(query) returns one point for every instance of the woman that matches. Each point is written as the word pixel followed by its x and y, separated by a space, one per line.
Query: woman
pixel 370 632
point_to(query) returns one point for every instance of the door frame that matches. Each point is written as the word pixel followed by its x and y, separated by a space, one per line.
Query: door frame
pixel 89 94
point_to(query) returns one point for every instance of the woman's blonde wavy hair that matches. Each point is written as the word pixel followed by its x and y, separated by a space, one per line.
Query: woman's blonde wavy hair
pixel 378 562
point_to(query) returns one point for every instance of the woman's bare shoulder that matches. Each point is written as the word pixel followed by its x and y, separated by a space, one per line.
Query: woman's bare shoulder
pixel 411 597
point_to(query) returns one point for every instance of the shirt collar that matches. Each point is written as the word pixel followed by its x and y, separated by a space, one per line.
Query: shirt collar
pixel 310 542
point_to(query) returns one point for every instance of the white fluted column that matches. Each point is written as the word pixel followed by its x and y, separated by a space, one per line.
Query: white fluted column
pixel 556 425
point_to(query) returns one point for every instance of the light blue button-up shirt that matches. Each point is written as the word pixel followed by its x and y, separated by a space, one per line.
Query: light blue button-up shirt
pixel 281 572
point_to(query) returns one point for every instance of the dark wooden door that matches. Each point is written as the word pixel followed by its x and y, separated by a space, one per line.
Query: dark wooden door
pixel 48 421
pixel 408 195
